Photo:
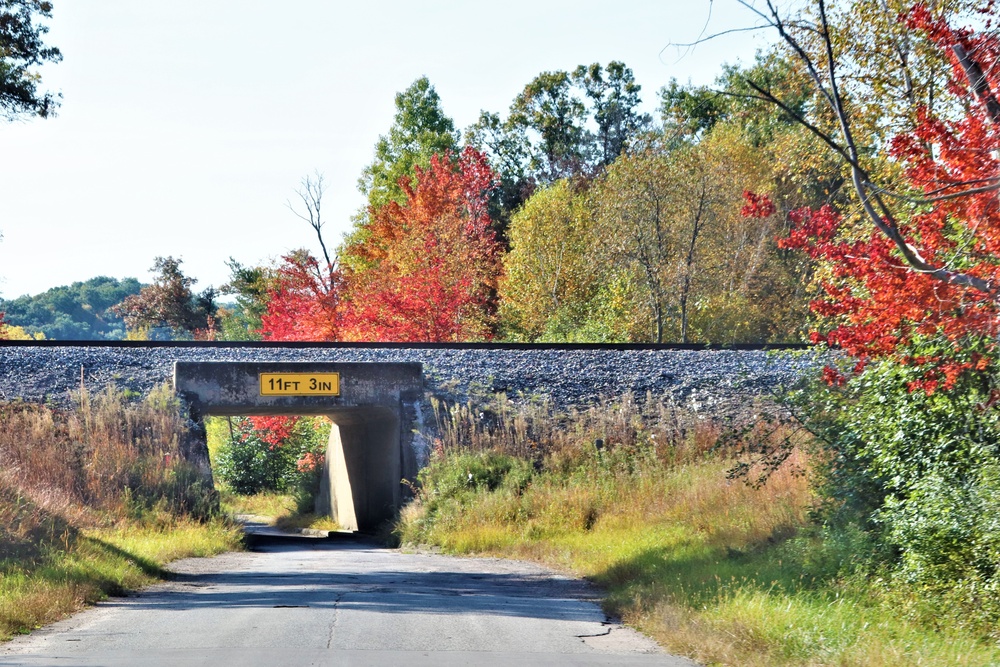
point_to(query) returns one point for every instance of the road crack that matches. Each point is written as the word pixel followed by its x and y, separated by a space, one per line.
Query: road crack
pixel 336 617
pixel 598 634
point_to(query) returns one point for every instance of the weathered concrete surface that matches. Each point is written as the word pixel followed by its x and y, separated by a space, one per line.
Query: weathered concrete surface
pixel 371 445
pixel 345 601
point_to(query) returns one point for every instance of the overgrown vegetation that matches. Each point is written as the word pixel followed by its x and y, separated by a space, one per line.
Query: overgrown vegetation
pixel 93 501
pixel 639 497
pixel 270 468
pixel 267 455
pixel 919 472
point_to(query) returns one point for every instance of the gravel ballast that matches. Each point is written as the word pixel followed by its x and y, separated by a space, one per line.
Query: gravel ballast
pixel 708 380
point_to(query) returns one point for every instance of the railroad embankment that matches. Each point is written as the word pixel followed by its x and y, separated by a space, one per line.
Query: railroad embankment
pixel 705 379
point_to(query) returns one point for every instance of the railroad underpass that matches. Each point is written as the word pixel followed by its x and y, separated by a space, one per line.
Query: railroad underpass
pixel 373 407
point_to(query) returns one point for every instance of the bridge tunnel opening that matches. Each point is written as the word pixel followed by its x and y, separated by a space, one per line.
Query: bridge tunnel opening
pixel 351 468
pixel 369 450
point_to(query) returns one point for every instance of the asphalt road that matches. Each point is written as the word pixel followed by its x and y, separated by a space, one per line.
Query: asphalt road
pixel 344 601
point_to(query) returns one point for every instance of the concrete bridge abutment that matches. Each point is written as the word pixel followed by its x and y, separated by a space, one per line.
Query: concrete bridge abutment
pixel 372 407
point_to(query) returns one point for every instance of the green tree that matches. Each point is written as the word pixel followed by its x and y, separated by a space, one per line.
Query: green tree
pixel 250 285
pixel 21 51
pixel 550 109
pixel 700 270
pixel 551 132
pixel 742 287
pixel 614 96
pixel 508 150
pixel 550 274
pixel 657 205
pixel 690 111
pixel 81 311
pixel 419 130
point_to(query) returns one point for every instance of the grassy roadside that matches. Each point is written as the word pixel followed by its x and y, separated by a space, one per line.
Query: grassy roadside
pixel 279 508
pixel 713 569
pixel 84 566
pixel 95 501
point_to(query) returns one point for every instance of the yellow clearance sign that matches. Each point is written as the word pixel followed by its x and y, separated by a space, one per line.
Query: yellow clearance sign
pixel 300 384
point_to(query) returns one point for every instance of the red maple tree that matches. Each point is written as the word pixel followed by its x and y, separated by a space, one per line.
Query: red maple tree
pixel 930 267
pixel 275 431
pixel 303 301
pixel 430 264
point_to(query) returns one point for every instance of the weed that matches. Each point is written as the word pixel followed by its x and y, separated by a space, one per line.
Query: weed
pixel 726 572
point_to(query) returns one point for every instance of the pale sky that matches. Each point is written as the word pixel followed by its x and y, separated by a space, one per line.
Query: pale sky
pixel 185 126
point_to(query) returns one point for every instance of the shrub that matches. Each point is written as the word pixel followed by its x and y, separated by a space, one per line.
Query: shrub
pixel 948 527
pixel 451 477
pixel 917 466
pixel 249 465
pixel 252 461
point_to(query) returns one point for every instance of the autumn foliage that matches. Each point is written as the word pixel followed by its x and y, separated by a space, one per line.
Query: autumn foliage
pixel 302 303
pixel 274 430
pixel 429 265
pixel 424 271
pixel 950 215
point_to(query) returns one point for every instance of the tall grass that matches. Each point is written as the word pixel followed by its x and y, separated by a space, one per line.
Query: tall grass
pixel 533 429
pixel 94 500
pixel 108 454
pixel 726 572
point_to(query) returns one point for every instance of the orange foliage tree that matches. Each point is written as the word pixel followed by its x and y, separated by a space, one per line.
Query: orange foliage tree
pixel 427 268
pixel 303 301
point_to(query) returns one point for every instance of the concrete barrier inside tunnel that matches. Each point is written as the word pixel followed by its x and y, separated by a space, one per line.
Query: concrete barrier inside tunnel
pixel 373 407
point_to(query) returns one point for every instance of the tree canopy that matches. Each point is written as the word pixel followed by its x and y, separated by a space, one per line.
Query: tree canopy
pixel 81 311
pixel 420 130
pixel 169 303
pixel 22 51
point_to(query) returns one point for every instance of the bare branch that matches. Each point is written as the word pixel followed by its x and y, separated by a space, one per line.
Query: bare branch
pixel 977 80
pixel 935 198
pixel 311 192
pixel 714 35
pixel 703 38
pixel 827 86
pixel 768 96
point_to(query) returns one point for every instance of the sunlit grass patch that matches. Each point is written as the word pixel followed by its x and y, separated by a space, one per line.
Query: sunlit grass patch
pixel 296 521
pixel 100 562
pixel 181 539
pixel 266 504
pixel 713 568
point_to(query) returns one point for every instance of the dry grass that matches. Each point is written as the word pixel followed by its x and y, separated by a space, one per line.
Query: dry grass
pixel 108 455
pixel 716 569
pixel 535 430
pixel 93 501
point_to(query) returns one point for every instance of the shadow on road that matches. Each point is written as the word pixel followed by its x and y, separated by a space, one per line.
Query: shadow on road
pixel 350 571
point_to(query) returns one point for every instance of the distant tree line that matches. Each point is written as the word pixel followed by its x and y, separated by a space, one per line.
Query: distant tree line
pixel 81 311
